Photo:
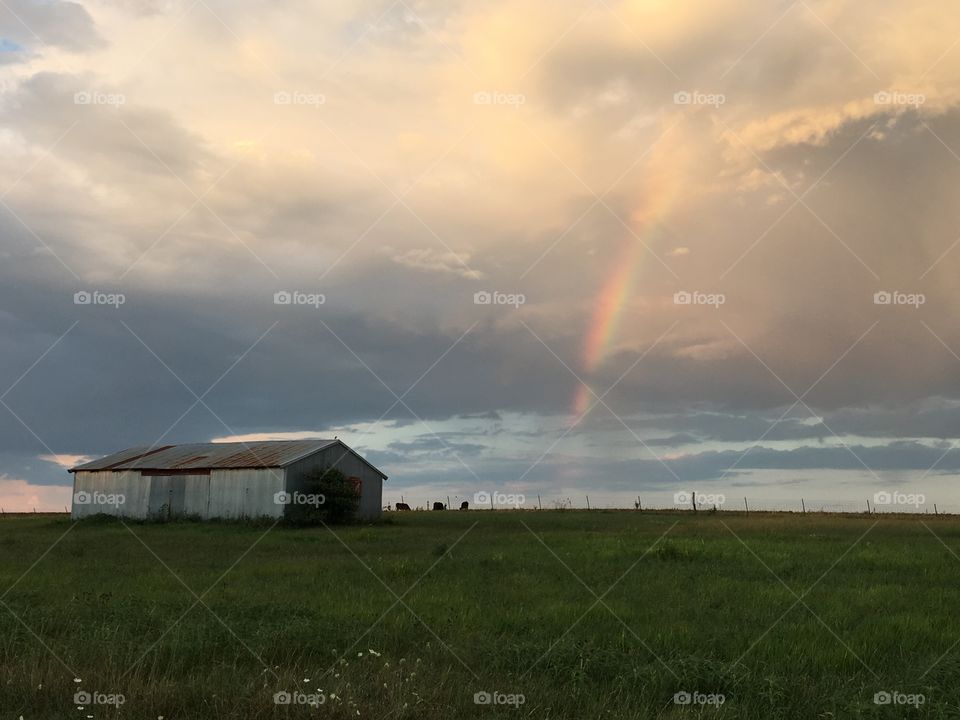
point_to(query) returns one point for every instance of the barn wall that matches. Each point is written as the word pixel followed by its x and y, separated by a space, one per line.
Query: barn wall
pixel 128 483
pixel 219 494
pixel 245 493
pixel 177 495
pixel 196 495
pixel 371 487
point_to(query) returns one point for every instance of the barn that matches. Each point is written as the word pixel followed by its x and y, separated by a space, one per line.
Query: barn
pixel 216 480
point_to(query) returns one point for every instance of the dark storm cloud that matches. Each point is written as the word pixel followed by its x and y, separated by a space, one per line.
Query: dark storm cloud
pixel 100 389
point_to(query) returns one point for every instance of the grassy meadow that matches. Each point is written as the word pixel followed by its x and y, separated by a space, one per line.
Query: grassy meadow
pixel 560 614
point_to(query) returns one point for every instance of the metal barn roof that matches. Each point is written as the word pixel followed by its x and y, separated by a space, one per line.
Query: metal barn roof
pixel 214 456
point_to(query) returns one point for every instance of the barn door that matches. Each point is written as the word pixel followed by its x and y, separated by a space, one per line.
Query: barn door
pixel 166 496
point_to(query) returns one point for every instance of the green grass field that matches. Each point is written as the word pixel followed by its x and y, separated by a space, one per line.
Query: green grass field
pixel 785 616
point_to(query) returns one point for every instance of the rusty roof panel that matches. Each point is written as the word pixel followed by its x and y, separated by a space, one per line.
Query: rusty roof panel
pixel 209 456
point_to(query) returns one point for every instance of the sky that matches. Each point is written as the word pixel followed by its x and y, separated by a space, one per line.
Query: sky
pixel 606 249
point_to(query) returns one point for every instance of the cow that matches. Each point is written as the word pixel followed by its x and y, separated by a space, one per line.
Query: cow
pixel 464 505
pixel 439 506
pixel 402 506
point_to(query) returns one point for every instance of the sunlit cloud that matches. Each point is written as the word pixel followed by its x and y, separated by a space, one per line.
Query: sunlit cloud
pixel 613 165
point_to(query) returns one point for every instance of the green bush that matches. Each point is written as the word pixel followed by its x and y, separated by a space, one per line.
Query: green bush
pixel 324 496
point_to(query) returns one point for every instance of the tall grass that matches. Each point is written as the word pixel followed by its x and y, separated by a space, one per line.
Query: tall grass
pixel 584 614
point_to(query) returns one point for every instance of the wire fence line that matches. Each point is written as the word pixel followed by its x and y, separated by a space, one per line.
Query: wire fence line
pixel 879 503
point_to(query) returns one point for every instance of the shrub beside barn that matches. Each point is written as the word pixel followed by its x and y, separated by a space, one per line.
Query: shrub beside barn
pixel 217 480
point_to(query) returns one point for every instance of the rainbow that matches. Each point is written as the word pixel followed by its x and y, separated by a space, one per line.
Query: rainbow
pixel 607 312
pixel 617 289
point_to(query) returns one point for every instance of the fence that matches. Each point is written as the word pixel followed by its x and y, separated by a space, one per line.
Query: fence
pixel 879 503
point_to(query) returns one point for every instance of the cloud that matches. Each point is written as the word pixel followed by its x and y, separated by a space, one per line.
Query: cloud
pixel 582 184
pixel 66 461
pixel 54 23
pixel 436 261
pixel 21 496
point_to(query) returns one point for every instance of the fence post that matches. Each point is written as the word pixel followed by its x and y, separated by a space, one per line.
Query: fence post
pixel 693 499
pixel 639 503
pixel 935 509
pixel 868 507
pixel 588 502
pixel 803 507
pixel 746 509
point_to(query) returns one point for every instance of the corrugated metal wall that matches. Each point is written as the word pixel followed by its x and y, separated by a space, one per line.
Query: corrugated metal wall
pixel 245 493
pixel 371 490
pixel 100 485
pixel 231 494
